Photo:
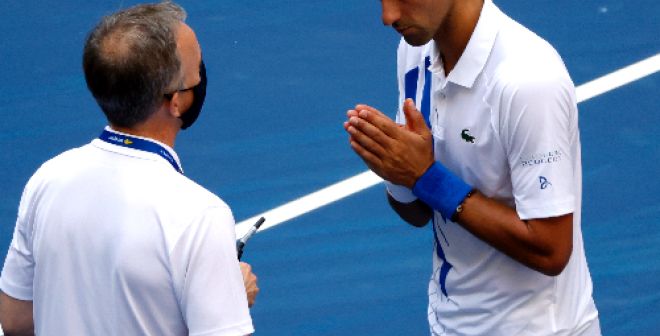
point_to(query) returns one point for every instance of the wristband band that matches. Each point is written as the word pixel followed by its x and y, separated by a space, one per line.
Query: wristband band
pixel 441 189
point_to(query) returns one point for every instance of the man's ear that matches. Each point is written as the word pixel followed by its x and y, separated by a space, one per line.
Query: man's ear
pixel 174 105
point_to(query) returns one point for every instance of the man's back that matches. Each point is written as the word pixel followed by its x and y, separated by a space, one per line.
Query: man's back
pixel 124 244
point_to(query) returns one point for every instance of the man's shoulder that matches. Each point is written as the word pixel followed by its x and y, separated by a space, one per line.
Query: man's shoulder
pixel 62 163
pixel 198 194
pixel 519 54
pixel 523 62
pixel 69 156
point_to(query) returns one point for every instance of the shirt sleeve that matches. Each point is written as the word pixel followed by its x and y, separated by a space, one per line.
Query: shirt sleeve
pixel 207 277
pixel 540 132
pixel 18 271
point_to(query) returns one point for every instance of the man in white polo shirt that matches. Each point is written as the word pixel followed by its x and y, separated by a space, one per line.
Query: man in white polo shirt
pixel 111 238
pixel 488 149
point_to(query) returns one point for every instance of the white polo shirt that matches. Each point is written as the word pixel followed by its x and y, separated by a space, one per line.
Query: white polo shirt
pixel 505 121
pixel 114 241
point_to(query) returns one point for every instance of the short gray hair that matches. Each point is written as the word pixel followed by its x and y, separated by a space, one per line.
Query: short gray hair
pixel 130 61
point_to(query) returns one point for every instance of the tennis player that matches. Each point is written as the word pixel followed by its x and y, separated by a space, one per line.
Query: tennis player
pixel 488 149
pixel 111 237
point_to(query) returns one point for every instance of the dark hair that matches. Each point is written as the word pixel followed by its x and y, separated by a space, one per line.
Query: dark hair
pixel 130 61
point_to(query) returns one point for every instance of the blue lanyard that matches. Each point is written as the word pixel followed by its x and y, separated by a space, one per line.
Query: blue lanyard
pixel 139 144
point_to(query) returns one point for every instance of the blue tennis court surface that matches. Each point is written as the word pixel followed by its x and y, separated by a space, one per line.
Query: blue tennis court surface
pixel 281 76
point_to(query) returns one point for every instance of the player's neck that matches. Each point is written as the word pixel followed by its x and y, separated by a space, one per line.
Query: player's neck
pixel 455 33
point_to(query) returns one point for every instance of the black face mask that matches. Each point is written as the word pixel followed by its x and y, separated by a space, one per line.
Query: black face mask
pixel 199 94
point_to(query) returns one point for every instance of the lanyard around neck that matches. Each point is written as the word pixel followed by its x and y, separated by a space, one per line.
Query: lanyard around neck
pixel 128 141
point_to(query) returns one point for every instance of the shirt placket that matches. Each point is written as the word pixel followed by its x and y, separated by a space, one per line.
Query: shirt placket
pixel 439 104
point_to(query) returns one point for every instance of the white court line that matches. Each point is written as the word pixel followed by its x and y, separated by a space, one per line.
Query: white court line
pixel 368 179
pixel 618 78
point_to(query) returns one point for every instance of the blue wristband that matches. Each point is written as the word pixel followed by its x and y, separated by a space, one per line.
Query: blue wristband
pixel 440 189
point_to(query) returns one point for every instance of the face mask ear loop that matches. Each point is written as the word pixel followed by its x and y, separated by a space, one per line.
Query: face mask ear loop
pixel 199 95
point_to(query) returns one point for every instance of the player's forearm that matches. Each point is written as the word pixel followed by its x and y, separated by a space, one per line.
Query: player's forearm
pixel 416 213
pixel 544 245
pixel 16 316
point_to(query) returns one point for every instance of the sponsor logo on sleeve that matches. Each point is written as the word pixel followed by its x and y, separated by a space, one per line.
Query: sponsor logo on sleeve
pixel 544 182
pixel 541 158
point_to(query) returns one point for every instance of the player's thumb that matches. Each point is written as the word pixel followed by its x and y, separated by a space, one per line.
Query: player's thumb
pixel 414 118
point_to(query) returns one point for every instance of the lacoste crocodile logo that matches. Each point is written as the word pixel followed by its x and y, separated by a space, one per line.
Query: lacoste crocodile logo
pixel 466 136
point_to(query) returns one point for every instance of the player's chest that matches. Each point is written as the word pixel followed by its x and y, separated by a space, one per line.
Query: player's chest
pixel 465 135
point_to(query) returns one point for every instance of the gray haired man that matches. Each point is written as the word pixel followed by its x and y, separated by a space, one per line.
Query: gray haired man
pixel 111 237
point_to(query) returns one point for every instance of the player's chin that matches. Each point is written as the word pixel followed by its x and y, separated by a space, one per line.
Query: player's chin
pixel 416 39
